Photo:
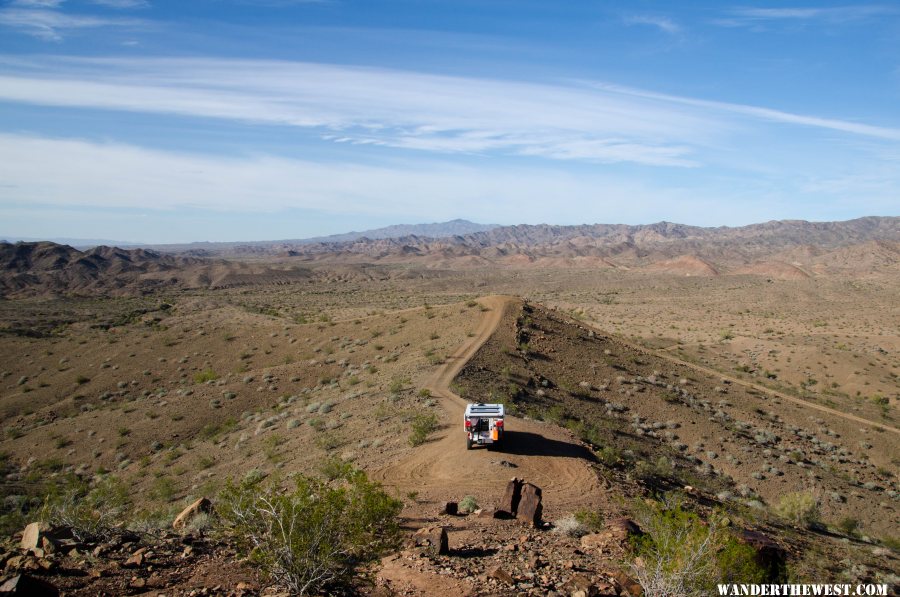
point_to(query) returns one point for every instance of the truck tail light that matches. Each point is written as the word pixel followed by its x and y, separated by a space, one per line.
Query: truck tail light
pixel 499 423
pixel 468 423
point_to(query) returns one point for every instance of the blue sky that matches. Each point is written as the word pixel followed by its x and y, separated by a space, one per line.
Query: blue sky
pixel 165 121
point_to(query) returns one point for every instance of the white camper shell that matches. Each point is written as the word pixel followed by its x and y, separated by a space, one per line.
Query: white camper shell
pixel 484 425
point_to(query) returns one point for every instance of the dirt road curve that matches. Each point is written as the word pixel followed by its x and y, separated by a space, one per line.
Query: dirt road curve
pixel 545 455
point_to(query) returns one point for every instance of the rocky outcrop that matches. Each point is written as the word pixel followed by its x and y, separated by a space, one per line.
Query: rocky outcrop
pixel 530 508
pixel 201 506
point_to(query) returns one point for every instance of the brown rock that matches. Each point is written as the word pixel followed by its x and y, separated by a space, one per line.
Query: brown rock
pixel 434 540
pixel 200 506
pixel 138 583
pixel 628 584
pixel 35 534
pixel 530 508
pixel 136 560
pixel 510 503
pixel 769 555
pixel 605 589
pixel 46 565
pixel 15 562
pixel 451 508
pixel 594 540
pixel 581 586
pixel 622 529
pixel 28 585
pixel 47 545
pixel 487 513
pixel 501 575
pixel 31 536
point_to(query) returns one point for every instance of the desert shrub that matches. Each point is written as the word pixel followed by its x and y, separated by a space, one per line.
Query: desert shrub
pixel 590 519
pixel 423 425
pixel 310 539
pixel 93 512
pixel 680 555
pixel 468 504
pixel 212 431
pixel 570 526
pixel 848 526
pixel 205 376
pixel 800 508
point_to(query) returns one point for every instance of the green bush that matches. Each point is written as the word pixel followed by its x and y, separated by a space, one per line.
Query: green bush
pixel 468 504
pixel 422 426
pixel 93 512
pixel 205 376
pixel 309 540
pixel 680 554
pixel 800 508
pixel 591 519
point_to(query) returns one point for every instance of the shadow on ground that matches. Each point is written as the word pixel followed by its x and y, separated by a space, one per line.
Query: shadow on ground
pixel 524 443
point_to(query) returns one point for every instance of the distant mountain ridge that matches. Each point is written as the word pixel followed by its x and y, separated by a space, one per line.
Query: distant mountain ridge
pixel 788 250
pixel 457 227
pixel 679 248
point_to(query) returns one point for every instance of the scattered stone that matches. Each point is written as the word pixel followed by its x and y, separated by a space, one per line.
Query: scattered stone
pixel 628 584
pixel 594 540
pixel 434 540
pixel 580 586
pixel 41 536
pixel 501 575
pixel 24 584
pixel 622 529
pixel 137 559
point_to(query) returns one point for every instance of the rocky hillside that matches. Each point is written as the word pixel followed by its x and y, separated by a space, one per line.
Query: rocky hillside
pixel 48 269
pixel 862 245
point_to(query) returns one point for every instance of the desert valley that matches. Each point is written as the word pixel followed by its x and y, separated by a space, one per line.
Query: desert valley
pixel 743 379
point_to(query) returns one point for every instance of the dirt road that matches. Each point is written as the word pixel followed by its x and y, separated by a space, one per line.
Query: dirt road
pixel 664 354
pixel 442 469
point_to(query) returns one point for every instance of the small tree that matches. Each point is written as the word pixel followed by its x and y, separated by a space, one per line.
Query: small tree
pixel 310 539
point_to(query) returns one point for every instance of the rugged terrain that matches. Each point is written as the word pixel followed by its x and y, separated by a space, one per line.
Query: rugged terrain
pixel 175 373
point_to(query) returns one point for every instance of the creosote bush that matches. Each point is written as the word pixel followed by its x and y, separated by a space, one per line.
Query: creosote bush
pixel 800 508
pixel 311 538
pixel 94 512
pixel 681 555
pixel 422 426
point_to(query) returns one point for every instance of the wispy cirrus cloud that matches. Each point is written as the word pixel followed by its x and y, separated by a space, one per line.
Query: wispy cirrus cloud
pixel 47 19
pixel 754 17
pixel 584 121
pixel 122 4
pixel 664 24
pixel 400 109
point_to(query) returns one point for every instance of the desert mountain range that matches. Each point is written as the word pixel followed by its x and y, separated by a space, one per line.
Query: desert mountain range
pixel 787 249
